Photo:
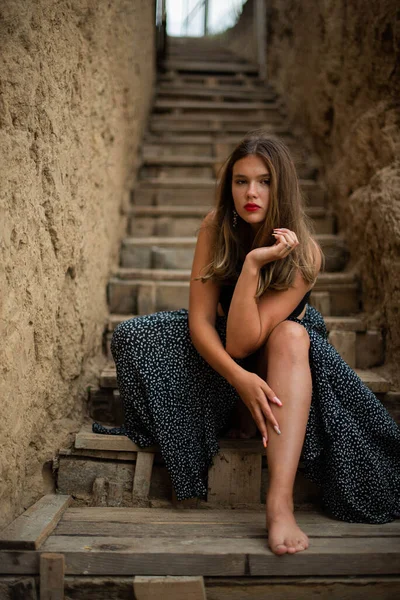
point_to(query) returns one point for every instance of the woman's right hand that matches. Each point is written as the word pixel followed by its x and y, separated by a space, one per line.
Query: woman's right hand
pixel 285 241
pixel 257 395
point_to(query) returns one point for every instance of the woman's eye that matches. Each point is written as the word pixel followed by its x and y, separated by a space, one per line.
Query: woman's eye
pixel 239 181
pixel 266 181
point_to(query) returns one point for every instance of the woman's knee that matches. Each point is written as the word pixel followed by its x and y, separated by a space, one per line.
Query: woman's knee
pixel 122 334
pixel 290 338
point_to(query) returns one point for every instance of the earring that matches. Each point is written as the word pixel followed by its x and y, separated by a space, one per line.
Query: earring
pixel 235 216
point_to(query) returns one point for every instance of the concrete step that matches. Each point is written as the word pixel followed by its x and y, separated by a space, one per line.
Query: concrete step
pixel 209 66
pixel 177 252
pixel 185 220
pixel 188 190
pixel 143 291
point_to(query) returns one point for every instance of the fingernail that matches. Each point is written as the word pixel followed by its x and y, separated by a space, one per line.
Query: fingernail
pixel 264 442
pixel 278 431
pixel 277 400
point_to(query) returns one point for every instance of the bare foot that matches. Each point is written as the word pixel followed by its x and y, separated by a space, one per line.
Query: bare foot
pixel 284 535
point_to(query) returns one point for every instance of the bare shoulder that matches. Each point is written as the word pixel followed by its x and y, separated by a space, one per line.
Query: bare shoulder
pixel 209 219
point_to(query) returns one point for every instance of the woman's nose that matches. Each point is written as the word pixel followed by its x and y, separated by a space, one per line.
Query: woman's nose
pixel 252 189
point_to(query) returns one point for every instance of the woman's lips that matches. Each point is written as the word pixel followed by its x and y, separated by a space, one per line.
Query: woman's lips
pixel 251 207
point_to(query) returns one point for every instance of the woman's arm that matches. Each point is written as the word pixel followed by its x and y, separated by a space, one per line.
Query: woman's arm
pixel 203 302
pixel 250 321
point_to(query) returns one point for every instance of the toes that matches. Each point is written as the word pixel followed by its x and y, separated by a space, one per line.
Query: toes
pixel 280 549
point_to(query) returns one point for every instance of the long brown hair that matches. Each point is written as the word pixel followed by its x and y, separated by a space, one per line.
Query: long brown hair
pixel 285 209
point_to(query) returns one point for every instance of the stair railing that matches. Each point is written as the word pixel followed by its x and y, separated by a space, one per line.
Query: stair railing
pixel 161 30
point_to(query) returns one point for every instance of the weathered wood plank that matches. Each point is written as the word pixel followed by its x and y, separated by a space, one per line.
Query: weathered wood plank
pixel 180 528
pixel 181 65
pixel 52 568
pixel 24 589
pixel 203 516
pixel 169 588
pixel 119 443
pixel 149 556
pixel 99 492
pixel 211 557
pixel 142 477
pixel 334 556
pixel 260 588
pixel 235 477
pixel 29 530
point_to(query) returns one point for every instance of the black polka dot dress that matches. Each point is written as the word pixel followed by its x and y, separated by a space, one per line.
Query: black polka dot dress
pixel 172 397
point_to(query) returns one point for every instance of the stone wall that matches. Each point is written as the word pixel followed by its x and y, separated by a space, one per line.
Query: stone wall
pixel 336 63
pixel 76 87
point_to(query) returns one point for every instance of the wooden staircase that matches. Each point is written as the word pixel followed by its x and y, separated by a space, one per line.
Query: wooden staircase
pixel 114 528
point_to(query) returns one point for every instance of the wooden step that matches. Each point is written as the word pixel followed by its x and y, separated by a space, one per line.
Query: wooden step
pixel 332 323
pixel 211 105
pixel 172 169
pixel 359 347
pixel 189 190
pixel 207 119
pixel 204 138
pixel 177 252
pixel 210 125
pixel 120 541
pixel 376 383
pixel 208 146
pixel 227 80
pixel 209 67
pixel 143 291
pixel 165 161
pixel 185 220
pixel 168 90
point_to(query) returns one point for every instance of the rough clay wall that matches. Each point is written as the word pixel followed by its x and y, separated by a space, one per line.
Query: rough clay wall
pixel 241 38
pixel 337 65
pixel 76 86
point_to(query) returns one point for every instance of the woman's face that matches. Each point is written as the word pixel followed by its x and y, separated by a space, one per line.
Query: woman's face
pixel 250 189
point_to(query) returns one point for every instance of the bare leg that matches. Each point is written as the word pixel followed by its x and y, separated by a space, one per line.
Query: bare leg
pixel 288 374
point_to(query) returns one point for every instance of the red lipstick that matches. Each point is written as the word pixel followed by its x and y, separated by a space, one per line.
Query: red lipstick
pixel 251 207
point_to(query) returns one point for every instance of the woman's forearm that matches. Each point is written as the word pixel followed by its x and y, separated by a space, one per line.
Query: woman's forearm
pixel 243 328
pixel 208 344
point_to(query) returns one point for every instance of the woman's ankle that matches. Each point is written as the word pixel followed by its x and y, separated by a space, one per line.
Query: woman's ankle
pixel 279 503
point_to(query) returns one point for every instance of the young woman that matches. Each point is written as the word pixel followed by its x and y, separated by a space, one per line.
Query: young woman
pixel 251 343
